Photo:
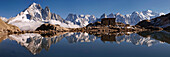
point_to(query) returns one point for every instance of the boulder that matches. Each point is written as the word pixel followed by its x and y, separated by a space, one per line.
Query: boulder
pixel 49 27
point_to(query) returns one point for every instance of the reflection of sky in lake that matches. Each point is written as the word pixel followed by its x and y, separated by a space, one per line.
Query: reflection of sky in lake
pixel 142 44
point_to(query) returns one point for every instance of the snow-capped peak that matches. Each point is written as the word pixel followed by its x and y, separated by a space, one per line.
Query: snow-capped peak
pixel 149 11
pixel 81 20
pixel 135 12
pixel 161 14
pixel 117 13
pixel 34 6
pixel 4 19
pixel 33 16
pixel 34 3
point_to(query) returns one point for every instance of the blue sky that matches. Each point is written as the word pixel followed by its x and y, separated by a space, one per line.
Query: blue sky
pixel 10 8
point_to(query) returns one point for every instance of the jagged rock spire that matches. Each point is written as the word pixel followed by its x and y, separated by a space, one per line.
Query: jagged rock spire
pixel 104 16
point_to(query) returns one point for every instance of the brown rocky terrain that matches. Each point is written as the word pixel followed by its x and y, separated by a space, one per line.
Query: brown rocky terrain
pixel 118 27
pixel 50 27
pixel 8 28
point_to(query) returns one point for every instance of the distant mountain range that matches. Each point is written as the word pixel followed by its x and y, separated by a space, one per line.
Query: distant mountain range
pixel 133 18
pixel 34 16
pixel 81 20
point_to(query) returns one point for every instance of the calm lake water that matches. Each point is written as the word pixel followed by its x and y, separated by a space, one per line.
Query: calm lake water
pixel 144 44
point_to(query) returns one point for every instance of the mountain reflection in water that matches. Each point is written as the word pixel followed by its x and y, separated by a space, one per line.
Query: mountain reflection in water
pixel 36 42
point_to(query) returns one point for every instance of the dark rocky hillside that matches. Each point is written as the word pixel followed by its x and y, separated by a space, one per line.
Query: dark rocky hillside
pixel 162 21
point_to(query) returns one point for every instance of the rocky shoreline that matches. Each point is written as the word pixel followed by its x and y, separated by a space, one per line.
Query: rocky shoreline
pixel 99 29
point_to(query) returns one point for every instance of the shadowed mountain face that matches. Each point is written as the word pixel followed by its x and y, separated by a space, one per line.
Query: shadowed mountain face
pixel 35 43
pixel 162 21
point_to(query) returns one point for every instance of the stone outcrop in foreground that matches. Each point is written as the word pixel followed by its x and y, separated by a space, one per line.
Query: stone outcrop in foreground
pixel 8 28
pixel 50 27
